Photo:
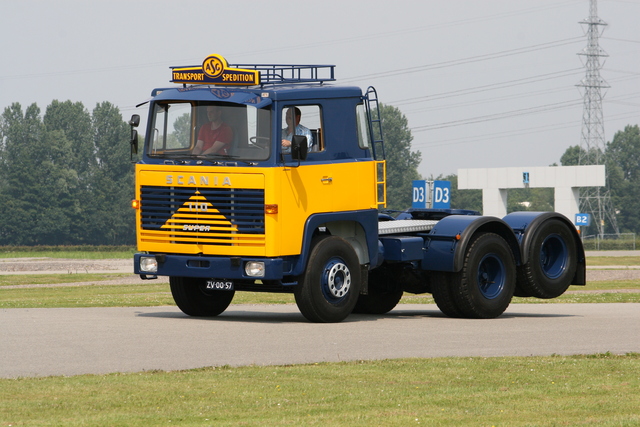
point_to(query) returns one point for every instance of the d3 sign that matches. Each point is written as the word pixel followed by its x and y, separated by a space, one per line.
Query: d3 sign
pixel 441 194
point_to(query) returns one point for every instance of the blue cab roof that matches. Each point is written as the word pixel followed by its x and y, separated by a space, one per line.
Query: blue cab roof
pixel 258 96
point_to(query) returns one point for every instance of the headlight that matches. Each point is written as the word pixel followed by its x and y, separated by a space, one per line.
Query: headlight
pixel 148 264
pixel 254 269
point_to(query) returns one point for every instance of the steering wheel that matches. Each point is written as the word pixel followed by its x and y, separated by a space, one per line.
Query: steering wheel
pixel 254 139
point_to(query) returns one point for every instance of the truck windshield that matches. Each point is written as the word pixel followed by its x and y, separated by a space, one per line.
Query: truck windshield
pixel 199 130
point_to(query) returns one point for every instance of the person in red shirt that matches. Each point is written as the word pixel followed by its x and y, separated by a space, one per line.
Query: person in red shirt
pixel 214 137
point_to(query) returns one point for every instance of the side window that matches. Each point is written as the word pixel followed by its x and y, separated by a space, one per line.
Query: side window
pixel 171 128
pixel 363 126
pixel 307 120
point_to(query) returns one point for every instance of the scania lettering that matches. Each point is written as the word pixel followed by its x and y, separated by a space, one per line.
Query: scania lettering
pixel 267 206
pixel 195 180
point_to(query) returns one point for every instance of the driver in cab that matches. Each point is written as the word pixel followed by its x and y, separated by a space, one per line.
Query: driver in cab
pixel 215 136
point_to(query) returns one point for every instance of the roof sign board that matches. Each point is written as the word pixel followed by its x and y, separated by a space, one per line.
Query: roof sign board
pixel 215 70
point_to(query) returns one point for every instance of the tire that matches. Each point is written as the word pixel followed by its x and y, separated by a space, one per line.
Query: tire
pixel 519 292
pixel 194 299
pixel 383 294
pixel 442 291
pixel 485 286
pixel 552 261
pixel 328 290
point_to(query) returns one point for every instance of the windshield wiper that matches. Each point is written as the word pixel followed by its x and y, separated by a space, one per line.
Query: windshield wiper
pixel 216 159
pixel 216 156
pixel 197 157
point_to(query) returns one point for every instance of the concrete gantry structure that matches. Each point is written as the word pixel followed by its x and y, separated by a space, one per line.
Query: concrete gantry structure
pixel 565 180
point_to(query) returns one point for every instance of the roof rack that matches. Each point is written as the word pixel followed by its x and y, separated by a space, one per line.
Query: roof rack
pixel 287 74
pixel 215 70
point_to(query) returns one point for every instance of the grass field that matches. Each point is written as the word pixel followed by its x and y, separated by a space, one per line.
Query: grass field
pixel 622 260
pixel 601 390
pixel 62 252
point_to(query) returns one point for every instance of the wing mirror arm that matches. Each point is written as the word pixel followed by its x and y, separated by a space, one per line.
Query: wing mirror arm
pixel 134 123
pixel 299 148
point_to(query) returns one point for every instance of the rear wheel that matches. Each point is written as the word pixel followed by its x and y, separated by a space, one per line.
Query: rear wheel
pixel 383 294
pixel 194 299
pixel 552 261
pixel 485 286
pixel 328 290
pixel 442 290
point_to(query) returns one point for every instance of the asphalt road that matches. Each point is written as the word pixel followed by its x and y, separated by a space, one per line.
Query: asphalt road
pixel 70 341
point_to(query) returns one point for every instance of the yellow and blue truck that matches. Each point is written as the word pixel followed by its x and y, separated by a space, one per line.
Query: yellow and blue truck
pixel 294 203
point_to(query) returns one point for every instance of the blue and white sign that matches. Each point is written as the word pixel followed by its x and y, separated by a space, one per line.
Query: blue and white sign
pixel 431 194
pixel 583 219
pixel 441 194
pixel 420 194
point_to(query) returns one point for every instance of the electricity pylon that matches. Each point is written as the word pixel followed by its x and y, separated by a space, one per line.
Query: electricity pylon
pixel 594 200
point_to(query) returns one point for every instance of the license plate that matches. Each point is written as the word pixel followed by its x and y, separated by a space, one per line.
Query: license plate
pixel 220 285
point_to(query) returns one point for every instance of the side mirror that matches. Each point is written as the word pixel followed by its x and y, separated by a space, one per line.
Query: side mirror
pixel 134 122
pixel 299 147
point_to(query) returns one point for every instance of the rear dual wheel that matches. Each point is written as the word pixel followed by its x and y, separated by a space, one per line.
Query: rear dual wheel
pixel 552 261
pixel 442 288
pixel 484 287
pixel 383 294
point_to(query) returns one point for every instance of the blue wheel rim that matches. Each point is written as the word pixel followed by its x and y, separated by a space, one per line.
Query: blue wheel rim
pixel 553 256
pixel 491 276
pixel 336 280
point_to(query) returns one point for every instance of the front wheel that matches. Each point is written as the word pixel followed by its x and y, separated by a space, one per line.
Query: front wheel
pixel 328 290
pixel 194 299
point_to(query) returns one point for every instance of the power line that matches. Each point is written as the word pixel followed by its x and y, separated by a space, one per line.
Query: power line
pixel 430 27
pixel 499 116
pixel 505 134
pixel 518 96
pixel 494 135
pixel 462 61
pixel 484 88
pixel 621 40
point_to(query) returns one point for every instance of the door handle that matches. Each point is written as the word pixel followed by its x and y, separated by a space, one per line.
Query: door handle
pixel 326 179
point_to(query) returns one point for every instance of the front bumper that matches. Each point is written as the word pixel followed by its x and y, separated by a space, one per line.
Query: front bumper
pixel 211 267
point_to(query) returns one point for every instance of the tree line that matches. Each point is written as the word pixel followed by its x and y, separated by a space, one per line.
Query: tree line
pixel 65 177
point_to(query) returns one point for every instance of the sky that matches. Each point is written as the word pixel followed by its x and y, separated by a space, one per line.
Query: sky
pixel 483 84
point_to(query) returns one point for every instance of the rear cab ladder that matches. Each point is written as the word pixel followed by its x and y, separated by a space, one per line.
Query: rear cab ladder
pixel 377 144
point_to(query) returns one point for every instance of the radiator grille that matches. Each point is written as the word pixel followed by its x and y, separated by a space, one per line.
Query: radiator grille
pixel 210 216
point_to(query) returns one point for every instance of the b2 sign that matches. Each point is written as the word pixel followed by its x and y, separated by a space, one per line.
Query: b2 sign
pixel 583 219
pixel 441 194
